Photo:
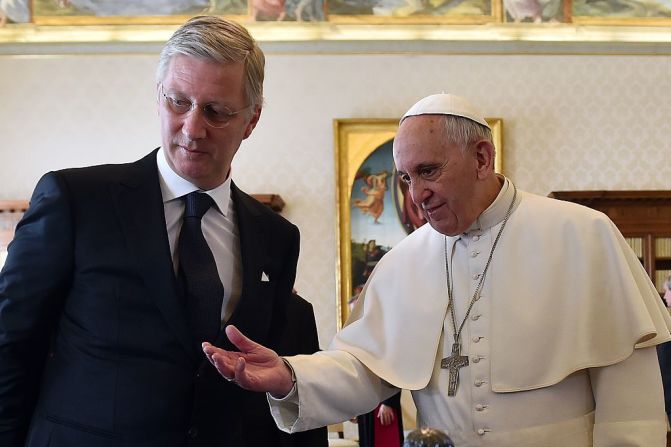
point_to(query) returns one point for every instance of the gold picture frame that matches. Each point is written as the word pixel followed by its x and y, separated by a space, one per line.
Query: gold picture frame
pixel 356 141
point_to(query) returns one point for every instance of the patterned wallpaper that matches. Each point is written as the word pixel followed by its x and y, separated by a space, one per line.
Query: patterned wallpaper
pixel 570 122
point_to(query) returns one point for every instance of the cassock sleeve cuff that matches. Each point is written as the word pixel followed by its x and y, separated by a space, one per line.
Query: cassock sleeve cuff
pixel 285 410
pixel 642 433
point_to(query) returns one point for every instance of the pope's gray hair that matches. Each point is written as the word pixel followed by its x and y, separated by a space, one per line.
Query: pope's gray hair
pixel 463 132
pixel 220 40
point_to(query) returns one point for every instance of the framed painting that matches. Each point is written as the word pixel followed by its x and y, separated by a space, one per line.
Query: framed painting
pixel 622 12
pixel 550 11
pixel 155 12
pixel 374 211
pixel 490 24
pixel 414 11
pixel 129 12
pixel 632 13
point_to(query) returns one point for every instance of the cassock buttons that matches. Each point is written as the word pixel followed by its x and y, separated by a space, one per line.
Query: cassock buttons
pixel 479 407
pixel 481 431
pixel 476 276
pixel 476 238
pixel 476 339
pixel 475 358
pixel 475 317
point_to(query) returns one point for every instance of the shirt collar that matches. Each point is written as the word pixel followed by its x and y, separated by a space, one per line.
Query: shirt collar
pixel 174 187
pixel 497 210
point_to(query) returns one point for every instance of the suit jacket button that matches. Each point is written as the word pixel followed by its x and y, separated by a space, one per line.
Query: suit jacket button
pixel 193 432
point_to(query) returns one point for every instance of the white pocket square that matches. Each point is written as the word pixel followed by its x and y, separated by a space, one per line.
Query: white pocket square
pixel 264 277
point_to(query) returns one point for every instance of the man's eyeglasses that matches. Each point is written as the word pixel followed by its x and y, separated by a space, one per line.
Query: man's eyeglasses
pixel 215 115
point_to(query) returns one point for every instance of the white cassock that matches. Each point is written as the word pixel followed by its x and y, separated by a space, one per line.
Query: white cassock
pixel 560 343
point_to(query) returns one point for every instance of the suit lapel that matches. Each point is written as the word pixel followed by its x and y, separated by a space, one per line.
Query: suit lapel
pixel 254 312
pixel 139 205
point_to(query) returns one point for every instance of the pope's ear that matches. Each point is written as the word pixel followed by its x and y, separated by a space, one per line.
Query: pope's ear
pixel 484 154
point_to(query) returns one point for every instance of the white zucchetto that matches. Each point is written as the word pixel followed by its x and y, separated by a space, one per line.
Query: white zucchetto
pixel 446 104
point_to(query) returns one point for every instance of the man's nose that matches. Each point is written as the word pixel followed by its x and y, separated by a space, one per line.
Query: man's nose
pixel 194 125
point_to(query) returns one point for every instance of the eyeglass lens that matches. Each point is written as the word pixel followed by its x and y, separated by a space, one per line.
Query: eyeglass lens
pixel 215 115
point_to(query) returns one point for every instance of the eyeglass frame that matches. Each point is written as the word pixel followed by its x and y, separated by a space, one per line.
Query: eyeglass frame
pixel 170 105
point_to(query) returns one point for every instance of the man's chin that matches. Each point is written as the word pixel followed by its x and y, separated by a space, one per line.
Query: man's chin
pixel 191 173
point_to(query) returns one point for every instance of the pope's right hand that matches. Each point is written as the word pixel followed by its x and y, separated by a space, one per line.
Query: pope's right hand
pixel 254 367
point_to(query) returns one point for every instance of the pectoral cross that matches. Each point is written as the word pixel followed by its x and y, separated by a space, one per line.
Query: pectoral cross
pixel 453 363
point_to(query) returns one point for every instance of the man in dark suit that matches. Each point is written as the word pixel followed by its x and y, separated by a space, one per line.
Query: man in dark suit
pixel 117 273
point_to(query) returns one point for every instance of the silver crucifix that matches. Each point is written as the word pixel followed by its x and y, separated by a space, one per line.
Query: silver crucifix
pixel 453 363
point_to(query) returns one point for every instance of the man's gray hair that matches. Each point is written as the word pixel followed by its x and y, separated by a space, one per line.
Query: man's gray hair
pixel 220 40
pixel 463 132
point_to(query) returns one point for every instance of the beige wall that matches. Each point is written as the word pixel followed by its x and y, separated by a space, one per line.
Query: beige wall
pixel 570 122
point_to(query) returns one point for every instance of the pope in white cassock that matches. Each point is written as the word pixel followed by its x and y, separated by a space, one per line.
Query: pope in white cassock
pixel 515 320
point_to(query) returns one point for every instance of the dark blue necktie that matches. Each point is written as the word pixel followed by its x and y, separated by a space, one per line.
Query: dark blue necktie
pixel 198 271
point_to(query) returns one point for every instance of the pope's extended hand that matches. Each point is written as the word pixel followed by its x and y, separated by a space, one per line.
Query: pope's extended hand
pixel 254 368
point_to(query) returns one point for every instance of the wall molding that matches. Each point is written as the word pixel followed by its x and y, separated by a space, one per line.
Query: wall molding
pixel 320 38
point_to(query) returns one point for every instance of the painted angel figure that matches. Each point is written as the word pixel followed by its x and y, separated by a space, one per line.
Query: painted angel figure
pixel 373 204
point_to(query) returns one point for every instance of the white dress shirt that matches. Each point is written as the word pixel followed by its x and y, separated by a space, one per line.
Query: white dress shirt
pixel 219 227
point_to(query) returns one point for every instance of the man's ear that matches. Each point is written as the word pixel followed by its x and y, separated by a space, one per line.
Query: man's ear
pixel 484 155
pixel 252 122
